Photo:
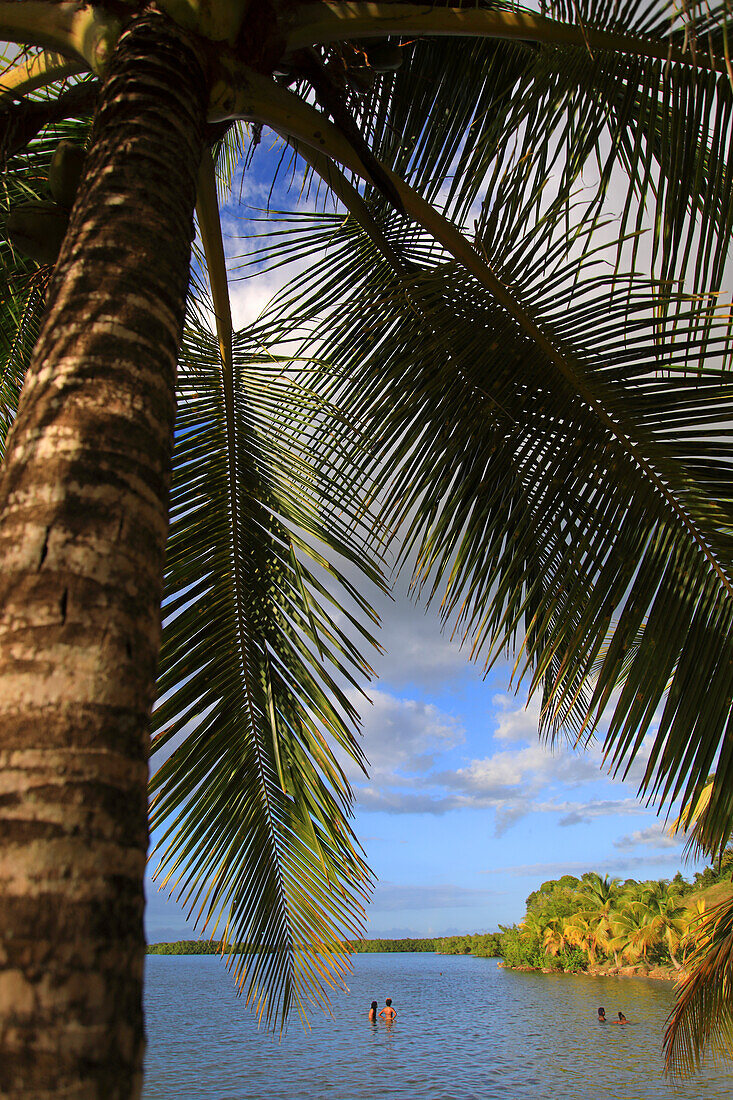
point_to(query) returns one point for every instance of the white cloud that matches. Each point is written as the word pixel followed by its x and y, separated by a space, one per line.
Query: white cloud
pixel 580 813
pixel 619 866
pixel 516 723
pixel 532 768
pixel 391 801
pixel 656 836
pixel 417 651
pixel 249 297
pixel 405 741
pixel 402 737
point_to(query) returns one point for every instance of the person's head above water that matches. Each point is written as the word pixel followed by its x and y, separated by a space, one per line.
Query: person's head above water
pixel 374 1005
pixel 622 1018
pixel 601 1013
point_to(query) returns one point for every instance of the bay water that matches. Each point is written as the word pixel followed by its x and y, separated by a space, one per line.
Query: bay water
pixel 465 1030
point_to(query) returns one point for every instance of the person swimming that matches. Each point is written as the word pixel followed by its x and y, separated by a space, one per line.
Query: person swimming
pixel 601 1015
pixel 388 1012
pixel 622 1019
pixel 373 1011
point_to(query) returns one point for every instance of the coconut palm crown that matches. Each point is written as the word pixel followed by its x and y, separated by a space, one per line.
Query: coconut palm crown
pixel 509 351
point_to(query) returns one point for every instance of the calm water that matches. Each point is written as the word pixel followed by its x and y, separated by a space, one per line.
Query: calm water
pixel 466 1030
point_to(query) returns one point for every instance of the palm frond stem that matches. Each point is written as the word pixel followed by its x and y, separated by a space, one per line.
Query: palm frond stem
pixel 84 32
pixel 207 213
pixel 320 24
pixel 345 191
pixel 36 72
pixel 207 210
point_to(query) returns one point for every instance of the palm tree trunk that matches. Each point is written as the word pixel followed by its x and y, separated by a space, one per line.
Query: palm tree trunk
pixel 83 517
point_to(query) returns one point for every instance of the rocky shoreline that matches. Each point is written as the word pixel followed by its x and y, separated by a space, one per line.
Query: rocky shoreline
pixel 660 973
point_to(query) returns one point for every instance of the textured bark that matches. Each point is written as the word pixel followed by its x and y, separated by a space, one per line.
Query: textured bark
pixel 83 518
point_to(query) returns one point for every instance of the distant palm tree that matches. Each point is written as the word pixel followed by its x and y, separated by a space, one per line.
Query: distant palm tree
pixel 600 891
pixel 583 932
pixel 667 914
pixel 597 898
pixel 555 935
pixel 535 412
pixel 631 933
pixel 532 929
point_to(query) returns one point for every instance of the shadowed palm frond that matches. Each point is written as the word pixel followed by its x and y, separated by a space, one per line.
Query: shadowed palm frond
pixel 653 136
pixel 703 839
pixel 260 652
pixel 29 135
pixel 546 493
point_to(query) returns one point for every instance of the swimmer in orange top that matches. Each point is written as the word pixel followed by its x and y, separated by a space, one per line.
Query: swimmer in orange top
pixel 622 1019
pixel 388 1012
pixel 373 1011
pixel 601 1015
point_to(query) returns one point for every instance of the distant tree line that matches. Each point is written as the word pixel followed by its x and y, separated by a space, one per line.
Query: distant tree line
pixel 213 947
pixel 372 946
pixel 571 924
pixel 486 945
pixel 194 947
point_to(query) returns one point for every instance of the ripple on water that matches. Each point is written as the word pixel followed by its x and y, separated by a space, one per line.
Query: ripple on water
pixel 465 1029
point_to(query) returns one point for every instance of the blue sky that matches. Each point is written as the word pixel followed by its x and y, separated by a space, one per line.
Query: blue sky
pixel 464 812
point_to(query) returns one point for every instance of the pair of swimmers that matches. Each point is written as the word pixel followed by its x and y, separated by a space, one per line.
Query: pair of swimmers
pixel 602 1018
pixel 388 1012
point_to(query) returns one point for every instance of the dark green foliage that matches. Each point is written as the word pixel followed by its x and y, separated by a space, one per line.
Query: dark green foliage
pixel 22 281
pixel 361 947
pixel 186 947
pixel 572 924
pixel 486 945
pixel 520 954
pixel 214 947
pixel 712 875
pixel 37 230
pixel 65 171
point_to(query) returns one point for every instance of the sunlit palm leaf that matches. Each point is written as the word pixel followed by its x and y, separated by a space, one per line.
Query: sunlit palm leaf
pixel 702 1019
pixel 252 801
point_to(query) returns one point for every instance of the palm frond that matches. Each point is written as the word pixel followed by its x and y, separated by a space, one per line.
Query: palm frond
pixel 655 136
pixel 539 515
pixel 259 648
pixel 30 134
pixel 695 819
pixel 702 1019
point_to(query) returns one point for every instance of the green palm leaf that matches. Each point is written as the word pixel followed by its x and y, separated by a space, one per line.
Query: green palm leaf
pixel 509 471
pixel 702 1019
pixel 656 134
pixel 252 800
pixel 30 133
